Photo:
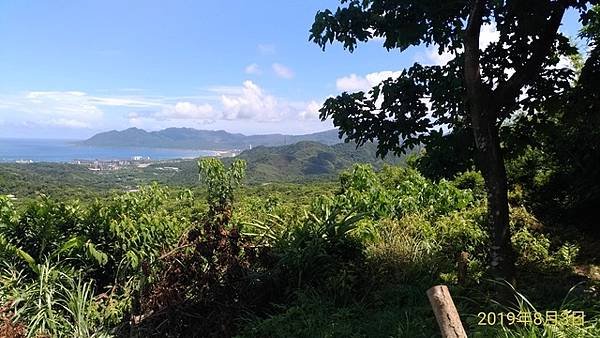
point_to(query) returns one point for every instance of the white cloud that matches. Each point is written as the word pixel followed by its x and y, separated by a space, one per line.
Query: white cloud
pixel 253 103
pixel 311 111
pixel 124 102
pixel 81 97
pixel 227 90
pixel 282 71
pixel 71 109
pixel 187 111
pixel 435 58
pixel 68 123
pixel 179 114
pixel 378 77
pixel 487 35
pixel 60 108
pixel 152 122
pixel 355 82
pixel 253 69
pixel 352 83
pixel 248 103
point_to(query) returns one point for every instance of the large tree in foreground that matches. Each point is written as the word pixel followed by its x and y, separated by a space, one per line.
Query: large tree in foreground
pixel 479 89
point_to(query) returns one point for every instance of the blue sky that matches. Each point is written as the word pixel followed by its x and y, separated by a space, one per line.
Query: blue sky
pixel 74 68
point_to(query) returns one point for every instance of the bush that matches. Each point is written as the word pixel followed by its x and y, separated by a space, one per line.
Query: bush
pixel 534 249
pixel 473 181
pixel 60 247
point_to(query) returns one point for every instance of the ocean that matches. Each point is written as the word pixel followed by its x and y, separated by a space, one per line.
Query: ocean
pixel 38 150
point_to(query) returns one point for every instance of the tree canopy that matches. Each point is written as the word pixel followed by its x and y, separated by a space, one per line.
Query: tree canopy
pixel 480 88
pixel 518 72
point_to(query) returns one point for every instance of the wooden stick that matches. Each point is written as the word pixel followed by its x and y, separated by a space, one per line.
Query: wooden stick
pixel 445 312
pixel 463 266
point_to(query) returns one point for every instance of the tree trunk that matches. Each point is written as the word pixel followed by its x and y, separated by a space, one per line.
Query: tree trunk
pixel 491 164
pixel 484 114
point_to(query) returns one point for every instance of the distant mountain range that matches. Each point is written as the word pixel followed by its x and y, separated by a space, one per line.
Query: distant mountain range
pixel 188 138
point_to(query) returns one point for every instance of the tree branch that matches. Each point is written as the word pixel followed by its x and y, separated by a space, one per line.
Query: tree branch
pixel 509 90
pixel 471 40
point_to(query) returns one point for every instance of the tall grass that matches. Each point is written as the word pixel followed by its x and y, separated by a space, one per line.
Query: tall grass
pixel 53 303
pixel 566 326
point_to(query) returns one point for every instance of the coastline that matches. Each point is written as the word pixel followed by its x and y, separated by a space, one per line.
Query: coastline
pixel 27 151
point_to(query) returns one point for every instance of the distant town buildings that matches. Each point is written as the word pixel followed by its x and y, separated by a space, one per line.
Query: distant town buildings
pixel 140 162
pixel 135 162
pixel 175 169
pixel 108 165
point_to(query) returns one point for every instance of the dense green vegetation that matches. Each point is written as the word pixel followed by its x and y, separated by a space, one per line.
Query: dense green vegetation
pixel 60 180
pixel 478 90
pixel 301 162
pixel 188 138
pixel 320 260
pixel 305 161
pixel 298 254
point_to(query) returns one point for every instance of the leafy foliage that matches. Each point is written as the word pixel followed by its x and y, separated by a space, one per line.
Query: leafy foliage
pixel 557 155
pixel 62 247
pixel 478 89
pixel 394 112
pixel 219 181
pixel 282 260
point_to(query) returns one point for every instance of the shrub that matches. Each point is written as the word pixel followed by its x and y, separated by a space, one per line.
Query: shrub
pixel 473 181
pixel 405 250
pixel 535 249
pixel 463 231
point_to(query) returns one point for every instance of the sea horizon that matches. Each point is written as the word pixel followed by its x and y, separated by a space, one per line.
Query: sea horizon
pixel 52 150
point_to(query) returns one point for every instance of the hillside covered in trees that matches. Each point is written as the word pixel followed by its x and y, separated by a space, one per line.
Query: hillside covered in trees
pixel 485 177
pixel 296 163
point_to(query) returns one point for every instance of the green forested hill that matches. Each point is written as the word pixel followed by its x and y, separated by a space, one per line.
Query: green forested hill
pixel 299 162
pixel 59 179
pixel 307 161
